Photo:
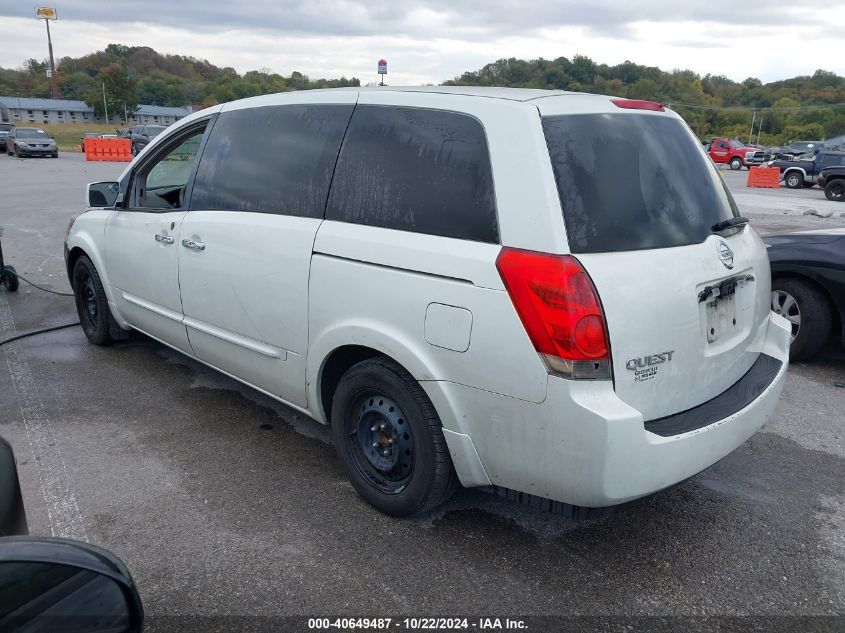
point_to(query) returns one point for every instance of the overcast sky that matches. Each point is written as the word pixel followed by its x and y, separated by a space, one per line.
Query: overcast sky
pixel 428 41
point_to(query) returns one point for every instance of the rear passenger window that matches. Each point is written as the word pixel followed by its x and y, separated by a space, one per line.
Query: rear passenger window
pixel 275 159
pixel 412 169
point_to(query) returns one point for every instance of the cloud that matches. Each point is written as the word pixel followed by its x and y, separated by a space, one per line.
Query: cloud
pixel 428 41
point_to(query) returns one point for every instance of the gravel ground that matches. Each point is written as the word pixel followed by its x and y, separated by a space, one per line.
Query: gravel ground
pixel 224 502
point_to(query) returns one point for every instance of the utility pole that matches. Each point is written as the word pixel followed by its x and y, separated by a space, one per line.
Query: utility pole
pixel 105 105
pixel 47 14
pixel 753 119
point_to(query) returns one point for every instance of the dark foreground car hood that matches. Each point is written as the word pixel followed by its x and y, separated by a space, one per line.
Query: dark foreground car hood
pixel 815 236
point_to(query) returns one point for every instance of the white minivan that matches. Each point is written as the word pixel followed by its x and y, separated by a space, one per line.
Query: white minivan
pixel 549 294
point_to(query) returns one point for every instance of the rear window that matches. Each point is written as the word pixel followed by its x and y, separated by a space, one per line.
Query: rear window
pixel 633 181
pixel 412 169
pixel 5 127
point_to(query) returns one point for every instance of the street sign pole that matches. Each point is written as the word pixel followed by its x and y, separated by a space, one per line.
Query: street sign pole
pixel 382 70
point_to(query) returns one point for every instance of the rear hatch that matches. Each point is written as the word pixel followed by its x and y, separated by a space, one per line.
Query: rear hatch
pixel 683 304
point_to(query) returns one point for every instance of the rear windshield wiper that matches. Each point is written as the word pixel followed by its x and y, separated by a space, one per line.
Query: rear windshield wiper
pixel 730 223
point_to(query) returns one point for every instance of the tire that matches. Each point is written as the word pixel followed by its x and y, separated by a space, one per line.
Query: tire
pixel 808 309
pixel 91 304
pixel 380 418
pixel 56 155
pixel 10 153
pixel 736 163
pixel 835 190
pixel 793 179
pixel 808 184
pixel 10 278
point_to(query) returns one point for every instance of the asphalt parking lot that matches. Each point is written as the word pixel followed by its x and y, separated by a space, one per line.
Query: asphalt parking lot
pixel 223 502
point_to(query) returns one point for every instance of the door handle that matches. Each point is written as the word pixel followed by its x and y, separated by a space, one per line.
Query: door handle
pixel 165 239
pixel 193 244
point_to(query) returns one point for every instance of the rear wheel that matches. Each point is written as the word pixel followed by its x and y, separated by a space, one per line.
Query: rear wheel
pixel 807 310
pixel 736 163
pixel 390 440
pixel 91 303
pixel 835 190
pixel 793 179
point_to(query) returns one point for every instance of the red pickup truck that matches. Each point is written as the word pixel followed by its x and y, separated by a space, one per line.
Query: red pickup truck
pixel 730 152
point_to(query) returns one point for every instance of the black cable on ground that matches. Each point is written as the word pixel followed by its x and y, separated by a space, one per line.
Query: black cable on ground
pixel 32 283
pixel 34 332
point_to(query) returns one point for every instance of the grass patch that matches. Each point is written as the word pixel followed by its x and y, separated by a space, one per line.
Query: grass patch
pixel 69 135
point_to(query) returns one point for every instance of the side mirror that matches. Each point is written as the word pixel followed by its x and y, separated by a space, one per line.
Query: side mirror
pixel 103 194
pixel 51 584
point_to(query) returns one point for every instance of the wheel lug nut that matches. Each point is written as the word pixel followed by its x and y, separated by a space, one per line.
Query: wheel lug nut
pixel 375 444
pixel 373 428
pixel 390 440
pixel 383 426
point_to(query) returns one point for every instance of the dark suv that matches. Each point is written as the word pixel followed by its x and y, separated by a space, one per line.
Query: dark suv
pixel 141 135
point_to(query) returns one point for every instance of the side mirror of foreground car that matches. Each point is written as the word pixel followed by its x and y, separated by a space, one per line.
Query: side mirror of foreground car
pixel 51 584
pixel 103 194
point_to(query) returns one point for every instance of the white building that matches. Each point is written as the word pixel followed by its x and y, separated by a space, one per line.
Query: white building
pixel 157 115
pixel 24 110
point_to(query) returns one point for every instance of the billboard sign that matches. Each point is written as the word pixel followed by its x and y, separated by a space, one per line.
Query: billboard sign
pixel 382 67
pixel 45 13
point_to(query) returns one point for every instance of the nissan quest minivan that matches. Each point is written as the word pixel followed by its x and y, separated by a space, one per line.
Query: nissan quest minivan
pixel 548 293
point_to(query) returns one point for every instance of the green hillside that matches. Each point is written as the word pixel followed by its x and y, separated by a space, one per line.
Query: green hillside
pixel 798 108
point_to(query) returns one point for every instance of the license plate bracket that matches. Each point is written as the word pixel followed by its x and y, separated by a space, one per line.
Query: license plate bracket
pixel 721 317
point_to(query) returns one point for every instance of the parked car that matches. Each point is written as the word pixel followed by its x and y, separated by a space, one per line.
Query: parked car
pixel 803 172
pixel 30 141
pixel 832 180
pixel 141 135
pixel 730 152
pixel 808 286
pixel 5 128
pixel 802 148
pixel 434 273
pixel 88 135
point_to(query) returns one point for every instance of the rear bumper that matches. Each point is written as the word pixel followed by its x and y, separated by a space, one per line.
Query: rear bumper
pixel 585 446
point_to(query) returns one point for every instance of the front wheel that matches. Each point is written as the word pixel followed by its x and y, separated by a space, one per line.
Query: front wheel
pixel 793 180
pixel 736 163
pixel 835 190
pixel 808 312
pixel 91 304
pixel 390 440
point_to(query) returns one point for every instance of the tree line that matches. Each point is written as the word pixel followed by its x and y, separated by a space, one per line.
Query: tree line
pixel 806 107
pixel 137 74
pixel 801 108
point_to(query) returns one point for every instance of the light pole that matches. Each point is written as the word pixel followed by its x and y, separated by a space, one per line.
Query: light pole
pixel 47 14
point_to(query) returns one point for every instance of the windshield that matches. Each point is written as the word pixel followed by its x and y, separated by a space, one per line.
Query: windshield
pixel 155 130
pixel 629 182
pixel 25 132
pixel 737 144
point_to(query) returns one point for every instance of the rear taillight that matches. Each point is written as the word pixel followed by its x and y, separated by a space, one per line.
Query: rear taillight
pixel 560 309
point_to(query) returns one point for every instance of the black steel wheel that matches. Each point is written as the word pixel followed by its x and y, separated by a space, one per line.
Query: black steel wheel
pixel 91 303
pixel 10 278
pixel 390 440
